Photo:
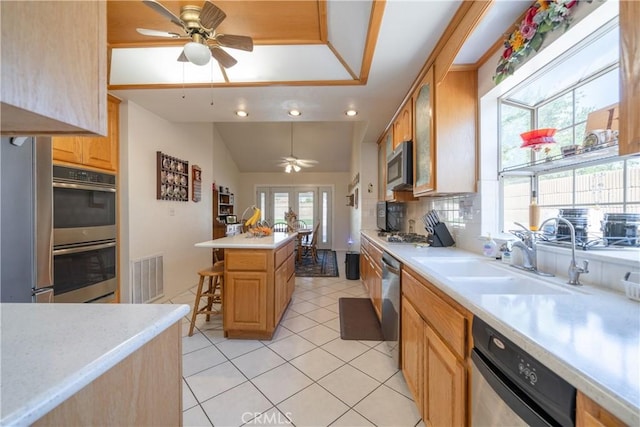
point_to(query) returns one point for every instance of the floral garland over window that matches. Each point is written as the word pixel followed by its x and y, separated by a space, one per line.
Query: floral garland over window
pixel 541 18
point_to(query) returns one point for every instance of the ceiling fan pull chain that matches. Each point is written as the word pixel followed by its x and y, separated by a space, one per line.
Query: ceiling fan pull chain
pixel 183 94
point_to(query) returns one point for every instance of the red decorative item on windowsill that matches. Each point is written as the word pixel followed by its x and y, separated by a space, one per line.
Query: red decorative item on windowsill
pixel 538 137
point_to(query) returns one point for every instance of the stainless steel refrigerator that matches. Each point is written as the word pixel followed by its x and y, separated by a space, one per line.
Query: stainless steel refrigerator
pixel 26 220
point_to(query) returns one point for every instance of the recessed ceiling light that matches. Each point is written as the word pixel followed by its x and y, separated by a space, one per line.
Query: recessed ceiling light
pixel 351 113
pixel 295 113
pixel 241 113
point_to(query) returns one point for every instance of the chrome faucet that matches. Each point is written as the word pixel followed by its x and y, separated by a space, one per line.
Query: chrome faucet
pixel 529 252
pixel 574 271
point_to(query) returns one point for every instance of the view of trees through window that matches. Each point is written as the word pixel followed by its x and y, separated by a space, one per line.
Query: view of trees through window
pixel 609 186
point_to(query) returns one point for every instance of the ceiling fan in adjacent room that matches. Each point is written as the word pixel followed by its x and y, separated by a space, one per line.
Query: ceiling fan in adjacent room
pixel 199 25
pixel 292 163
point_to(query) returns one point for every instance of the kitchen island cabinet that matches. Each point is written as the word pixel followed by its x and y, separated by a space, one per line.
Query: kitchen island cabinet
pixel 91 364
pixel 259 279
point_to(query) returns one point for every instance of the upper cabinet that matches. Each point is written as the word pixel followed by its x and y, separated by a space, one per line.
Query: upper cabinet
pixel 96 152
pixel 629 139
pixel 423 147
pixel 403 126
pixel 53 82
pixel 445 116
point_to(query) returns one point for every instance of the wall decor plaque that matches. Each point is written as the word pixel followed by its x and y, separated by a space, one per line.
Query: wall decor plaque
pixel 172 178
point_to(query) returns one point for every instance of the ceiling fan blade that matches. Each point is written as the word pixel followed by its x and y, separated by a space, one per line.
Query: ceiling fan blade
pixel 211 16
pixel 156 33
pixel 163 11
pixel 226 60
pixel 183 57
pixel 306 163
pixel 235 42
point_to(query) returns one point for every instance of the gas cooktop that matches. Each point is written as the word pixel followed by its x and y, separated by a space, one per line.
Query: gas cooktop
pixel 397 237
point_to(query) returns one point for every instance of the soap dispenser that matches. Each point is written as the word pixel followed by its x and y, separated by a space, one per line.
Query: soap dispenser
pixel 489 247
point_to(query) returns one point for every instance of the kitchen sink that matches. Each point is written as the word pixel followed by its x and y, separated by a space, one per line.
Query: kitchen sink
pixel 490 277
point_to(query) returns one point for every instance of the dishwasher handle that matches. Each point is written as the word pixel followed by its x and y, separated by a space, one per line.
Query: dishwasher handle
pixel 391 264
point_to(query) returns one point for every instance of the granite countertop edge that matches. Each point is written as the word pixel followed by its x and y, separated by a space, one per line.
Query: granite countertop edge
pixel 41 403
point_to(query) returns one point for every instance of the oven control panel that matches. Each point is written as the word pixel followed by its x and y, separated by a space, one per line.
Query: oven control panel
pixel 65 174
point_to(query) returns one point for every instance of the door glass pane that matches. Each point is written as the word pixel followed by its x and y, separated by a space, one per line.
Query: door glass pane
pixel 324 227
pixel 306 208
pixel 280 206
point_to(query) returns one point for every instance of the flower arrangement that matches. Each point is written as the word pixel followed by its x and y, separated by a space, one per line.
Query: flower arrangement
pixel 541 18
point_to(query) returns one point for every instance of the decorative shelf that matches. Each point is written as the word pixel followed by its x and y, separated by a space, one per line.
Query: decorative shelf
pixel 583 158
pixel 173 178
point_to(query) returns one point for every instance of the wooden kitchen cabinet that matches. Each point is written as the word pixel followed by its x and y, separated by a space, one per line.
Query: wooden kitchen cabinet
pixel 94 152
pixel 143 389
pixel 590 414
pixel 445 122
pixel 435 349
pixel 371 272
pixel 403 126
pixel 257 289
pixel 382 171
pixel 53 84
pixel 629 136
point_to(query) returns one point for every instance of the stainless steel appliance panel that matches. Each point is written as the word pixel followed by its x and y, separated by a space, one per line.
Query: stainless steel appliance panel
pixel 84 273
pixel 391 305
pixel 26 227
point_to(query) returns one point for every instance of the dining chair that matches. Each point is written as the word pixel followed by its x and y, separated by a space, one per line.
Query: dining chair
pixel 280 226
pixel 311 247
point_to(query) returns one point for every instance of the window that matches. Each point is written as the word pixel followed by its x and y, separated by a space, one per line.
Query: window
pixel 590 78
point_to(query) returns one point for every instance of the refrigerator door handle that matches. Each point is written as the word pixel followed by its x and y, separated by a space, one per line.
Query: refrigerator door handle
pixel 43 225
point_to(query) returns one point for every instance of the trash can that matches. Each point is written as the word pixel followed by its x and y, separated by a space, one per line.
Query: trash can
pixel 352 266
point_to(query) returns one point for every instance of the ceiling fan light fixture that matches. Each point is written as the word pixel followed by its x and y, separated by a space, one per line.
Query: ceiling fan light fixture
pixel 197 53
pixel 288 168
pixel 295 113
pixel 242 113
pixel 351 113
pixel 296 168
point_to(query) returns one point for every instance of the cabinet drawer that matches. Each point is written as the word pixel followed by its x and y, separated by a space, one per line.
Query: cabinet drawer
pixel 249 260
pixel 450 323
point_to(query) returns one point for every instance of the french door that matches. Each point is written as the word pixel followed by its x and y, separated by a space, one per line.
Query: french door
pixel 312 204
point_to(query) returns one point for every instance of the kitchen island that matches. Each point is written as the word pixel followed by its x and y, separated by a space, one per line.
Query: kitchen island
pixel 259 279
pixel 89 364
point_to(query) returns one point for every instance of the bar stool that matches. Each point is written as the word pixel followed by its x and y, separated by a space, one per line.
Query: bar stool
pixel 216 278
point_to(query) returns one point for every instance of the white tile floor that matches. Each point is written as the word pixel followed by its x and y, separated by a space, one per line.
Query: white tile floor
pixel 305 376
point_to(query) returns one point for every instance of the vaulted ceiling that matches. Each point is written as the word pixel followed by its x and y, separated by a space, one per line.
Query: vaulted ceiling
pixel 321 57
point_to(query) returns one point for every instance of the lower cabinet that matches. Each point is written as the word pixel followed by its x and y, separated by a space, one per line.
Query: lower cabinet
pixel 143 389
pixel 435 352
pixel 590 414
pixel 371 272
pixel 257 289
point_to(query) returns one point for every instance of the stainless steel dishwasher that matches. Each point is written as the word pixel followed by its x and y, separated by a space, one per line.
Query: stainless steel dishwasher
pixel 511 388
pixel 391 304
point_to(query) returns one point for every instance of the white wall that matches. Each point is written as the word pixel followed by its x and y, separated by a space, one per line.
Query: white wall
pixel 150 226
pixel 246 194
pixel 364 161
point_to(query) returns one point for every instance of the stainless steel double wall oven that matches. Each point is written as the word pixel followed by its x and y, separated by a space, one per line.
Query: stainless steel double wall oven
pixel 84 235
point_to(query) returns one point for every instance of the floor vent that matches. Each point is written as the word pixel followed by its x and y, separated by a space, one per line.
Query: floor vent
pixel 147 282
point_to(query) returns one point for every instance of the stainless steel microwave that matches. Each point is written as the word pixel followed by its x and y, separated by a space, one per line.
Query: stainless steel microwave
pixel 400 168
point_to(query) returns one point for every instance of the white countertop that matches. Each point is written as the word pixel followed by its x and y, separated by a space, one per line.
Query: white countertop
pixel 246 241
pixel 588 336
pixel 51 351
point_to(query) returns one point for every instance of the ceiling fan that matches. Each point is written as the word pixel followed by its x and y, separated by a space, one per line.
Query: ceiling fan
pixel 292 163
pixel 199 25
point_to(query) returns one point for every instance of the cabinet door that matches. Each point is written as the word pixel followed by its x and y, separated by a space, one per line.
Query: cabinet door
pixel 102 152
pixel 424 143
pixel 376 290
pixel 412 351
pixel 245 300
pixel 629 139
pixel 590 414
pixel 67 149
pixel 280 291
pixel 445 384
pixel 382 171
pixel 404 131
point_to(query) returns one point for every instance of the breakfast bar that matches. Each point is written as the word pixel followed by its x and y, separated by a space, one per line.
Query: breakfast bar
pixel 259 279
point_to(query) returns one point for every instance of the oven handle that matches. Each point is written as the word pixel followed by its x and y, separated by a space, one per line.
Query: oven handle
pixel 83 187
pixel 67 251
